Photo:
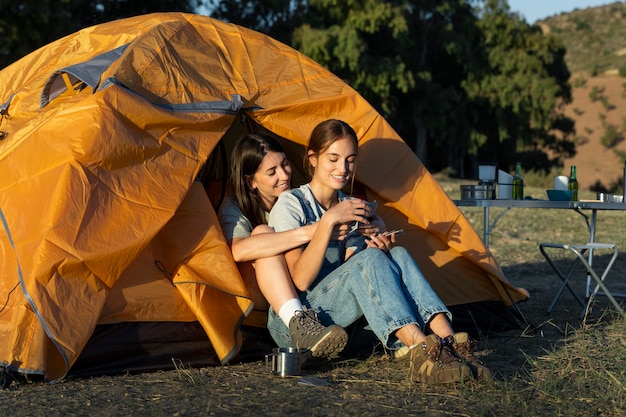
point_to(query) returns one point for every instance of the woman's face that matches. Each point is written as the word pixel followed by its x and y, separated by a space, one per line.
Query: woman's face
pixel 335 166
pixel 272 178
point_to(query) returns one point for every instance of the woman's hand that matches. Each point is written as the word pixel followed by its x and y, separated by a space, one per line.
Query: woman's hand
pixel 376 225
pixel 380 241
pixel 349 211
pixel 340 232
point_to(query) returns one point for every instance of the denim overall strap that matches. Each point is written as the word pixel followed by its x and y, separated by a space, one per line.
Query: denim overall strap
pixel 309 215
pixel 336 250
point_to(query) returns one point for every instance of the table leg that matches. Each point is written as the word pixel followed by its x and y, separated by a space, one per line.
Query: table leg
pixel 592 239
pixel 486 226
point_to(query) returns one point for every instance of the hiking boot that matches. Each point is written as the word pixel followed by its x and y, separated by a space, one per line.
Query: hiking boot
pixel 434 362
pixel 308 332
pixel 464 349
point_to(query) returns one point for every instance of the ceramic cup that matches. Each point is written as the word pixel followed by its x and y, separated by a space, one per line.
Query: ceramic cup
pixel 505 191
pixel 560 182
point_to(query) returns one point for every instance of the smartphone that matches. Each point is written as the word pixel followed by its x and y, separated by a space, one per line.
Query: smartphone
pixel 390 232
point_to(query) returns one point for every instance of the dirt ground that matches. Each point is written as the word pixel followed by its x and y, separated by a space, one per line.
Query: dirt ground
pixel 369 386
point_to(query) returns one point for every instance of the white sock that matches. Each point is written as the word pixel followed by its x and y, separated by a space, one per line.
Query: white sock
pixel 288 310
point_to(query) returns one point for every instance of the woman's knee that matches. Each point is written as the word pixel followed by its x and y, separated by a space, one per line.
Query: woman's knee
pixel 399 251
pixel 262 228
pixel 375 255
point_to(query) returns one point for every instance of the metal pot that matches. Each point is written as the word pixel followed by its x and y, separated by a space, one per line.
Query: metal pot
pixel 478 192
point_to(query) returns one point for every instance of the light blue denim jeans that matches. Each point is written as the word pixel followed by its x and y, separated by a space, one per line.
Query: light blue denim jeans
pixel 387 288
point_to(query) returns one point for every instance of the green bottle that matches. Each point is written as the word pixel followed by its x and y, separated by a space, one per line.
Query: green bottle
pixel 518 183
pixel 572 184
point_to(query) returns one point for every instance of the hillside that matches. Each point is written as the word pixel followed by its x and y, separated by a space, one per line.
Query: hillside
pixel 595 39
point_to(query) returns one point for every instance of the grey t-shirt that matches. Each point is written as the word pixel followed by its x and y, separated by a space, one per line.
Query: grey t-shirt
pixel 291 211
pixel 288 212
pixel 234 224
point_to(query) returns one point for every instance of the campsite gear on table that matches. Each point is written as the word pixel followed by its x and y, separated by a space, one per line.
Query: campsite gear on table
pixel 123 229
pixel 487 174
pixel 560 182
pixel 559 195
pixel 610 198
pixel 572 183
pixel 518 183
pixel 505 185
pixel 478 192
pixel 286 361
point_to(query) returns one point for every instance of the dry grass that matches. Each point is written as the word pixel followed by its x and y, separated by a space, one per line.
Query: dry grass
pixel 581 369
pixel 557 366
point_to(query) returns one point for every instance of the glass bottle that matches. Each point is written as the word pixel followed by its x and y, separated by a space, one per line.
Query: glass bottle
pixel 572 184
pixel 518 183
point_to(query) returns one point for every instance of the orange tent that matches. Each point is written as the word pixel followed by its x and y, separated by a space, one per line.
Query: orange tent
pixel 104 133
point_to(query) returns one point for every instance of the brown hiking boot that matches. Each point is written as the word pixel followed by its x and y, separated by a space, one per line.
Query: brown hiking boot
pixel 464 348
pixel 308 332
pixel 434 362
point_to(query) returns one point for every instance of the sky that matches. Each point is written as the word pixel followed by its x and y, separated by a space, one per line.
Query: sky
pixel 534 10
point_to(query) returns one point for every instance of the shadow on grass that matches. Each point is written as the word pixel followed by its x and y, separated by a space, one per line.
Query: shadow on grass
pixel 511 354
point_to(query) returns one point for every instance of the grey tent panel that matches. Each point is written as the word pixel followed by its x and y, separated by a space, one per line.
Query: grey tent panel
pixel 88 72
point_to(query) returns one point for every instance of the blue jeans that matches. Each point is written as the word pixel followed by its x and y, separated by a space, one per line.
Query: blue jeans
pixel 387 288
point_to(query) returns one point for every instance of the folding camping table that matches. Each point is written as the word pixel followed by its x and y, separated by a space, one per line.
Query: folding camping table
pixel 579 250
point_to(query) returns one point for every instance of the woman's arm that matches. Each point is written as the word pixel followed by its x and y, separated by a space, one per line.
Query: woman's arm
pixel 305 264
pixel 270 244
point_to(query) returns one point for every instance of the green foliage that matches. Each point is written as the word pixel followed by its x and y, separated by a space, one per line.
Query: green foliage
pixel 621 154
pixel 580 24
pixel 611 136
pixel 523 87
pixel 605 103
pixel 26 25
pixel 580 140
pixel 460 81
pixel 579 82
pixel 277 18
pixel 593 37
pixel 596 93
pixel 456 87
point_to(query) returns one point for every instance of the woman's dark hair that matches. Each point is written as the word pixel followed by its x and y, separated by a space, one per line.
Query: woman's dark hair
pixel 246 158
pixel 324 135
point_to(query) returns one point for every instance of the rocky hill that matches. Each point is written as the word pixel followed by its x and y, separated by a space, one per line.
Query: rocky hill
pixel 595 39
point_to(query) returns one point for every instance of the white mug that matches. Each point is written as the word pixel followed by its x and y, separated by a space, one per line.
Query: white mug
pixel 560 182
pixel 505 191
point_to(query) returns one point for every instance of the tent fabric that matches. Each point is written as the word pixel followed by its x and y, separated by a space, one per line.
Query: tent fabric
pixel 87 72
pixel 107 130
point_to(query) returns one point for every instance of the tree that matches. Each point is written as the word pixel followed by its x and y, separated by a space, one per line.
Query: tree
pixel 519 95
pixel 276 18
pixel 456 87
pixel 29 24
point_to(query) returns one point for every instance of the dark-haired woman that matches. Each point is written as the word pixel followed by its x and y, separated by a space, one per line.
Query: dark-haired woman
pixel 260 172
